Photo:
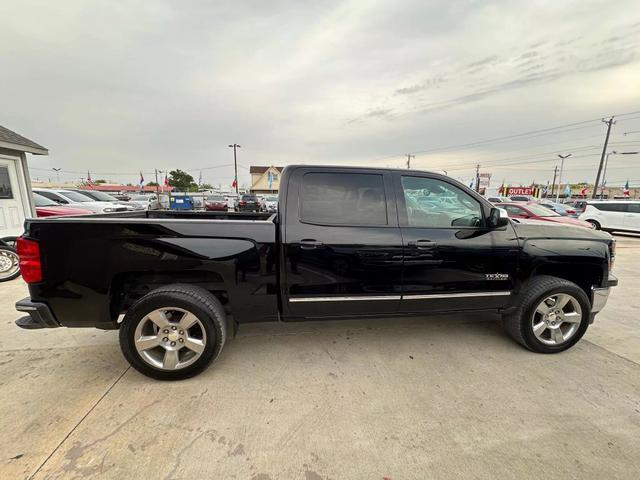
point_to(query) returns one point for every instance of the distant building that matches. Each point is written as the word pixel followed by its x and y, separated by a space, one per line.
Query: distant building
pixel 265 179
pixel 16 197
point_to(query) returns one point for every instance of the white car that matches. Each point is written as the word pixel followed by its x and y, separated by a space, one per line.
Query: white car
pixel 622 215
pixel 271 204
pixel 105 197
pixel 69 197
pixel 148 202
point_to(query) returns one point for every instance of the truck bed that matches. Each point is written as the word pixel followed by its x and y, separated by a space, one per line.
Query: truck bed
pixel 96 266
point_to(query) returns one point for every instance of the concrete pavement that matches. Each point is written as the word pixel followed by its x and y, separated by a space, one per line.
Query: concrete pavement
pixel 441 397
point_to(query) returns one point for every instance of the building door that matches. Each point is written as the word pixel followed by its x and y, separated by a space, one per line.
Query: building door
pixel 11 204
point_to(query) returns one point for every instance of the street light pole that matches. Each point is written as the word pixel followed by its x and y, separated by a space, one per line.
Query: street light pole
pixel 562 157
pixel 235 164
pixel 604 171
pixel 57 170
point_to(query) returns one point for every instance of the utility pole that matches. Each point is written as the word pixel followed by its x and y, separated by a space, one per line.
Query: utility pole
pixel 57 170
pixel 609 123
pixel 478 177
pixel 157 184
pixel 553 185
pixel 562 157
pixel 235 165
pixel 409 157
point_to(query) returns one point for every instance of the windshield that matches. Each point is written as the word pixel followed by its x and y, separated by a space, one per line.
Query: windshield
pixel 249 198
pixel 103 197
pixel 76 197
pixel 271 199
pixel 41 201
pixel 215 198
pixel 541 211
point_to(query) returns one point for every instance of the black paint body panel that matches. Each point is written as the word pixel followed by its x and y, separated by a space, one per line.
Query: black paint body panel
pixel 268 267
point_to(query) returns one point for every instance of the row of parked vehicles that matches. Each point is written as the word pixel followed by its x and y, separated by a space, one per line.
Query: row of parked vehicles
pixel 243 203
pixel 599 214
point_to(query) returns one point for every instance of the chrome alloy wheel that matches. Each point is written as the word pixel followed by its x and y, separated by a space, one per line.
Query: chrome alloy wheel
pixel 556 319
pixel 9 263
pixel 170 338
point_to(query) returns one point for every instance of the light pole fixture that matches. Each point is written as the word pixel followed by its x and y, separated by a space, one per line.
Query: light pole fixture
pixel 235 165
pixel 57 170
pixel 606 162
pixel 562 157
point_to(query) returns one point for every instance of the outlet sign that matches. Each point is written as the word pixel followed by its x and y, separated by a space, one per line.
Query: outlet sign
pixel 519 191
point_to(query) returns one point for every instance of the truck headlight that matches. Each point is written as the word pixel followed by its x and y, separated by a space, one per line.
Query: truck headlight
pixel 109 209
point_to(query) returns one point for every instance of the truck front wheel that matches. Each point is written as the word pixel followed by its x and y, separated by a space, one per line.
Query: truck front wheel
pixel 551 315
pixel 173 332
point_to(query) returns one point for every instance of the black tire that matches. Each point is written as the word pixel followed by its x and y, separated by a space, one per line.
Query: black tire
pixel 9 253
pixel 596 224
pixel 196 300
pixel 519 326
pixel 10 241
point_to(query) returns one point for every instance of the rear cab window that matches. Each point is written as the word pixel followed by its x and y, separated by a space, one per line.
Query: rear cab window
pixel 353 199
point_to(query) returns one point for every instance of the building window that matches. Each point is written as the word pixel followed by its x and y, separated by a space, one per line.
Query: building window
pixel 5 183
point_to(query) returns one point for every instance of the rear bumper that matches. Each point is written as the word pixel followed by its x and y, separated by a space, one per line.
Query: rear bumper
pixel 600 295
pixel 39 315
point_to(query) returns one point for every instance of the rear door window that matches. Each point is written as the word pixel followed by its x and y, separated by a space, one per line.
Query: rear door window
pixel 611 207
pixel 356 199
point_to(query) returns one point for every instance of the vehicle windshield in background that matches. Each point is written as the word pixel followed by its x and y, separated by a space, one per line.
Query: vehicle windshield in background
pixel 541 211
pixel 271 199
pixel 249 198
pixel 215 198
pixel 101 196
pixel 41 201
pixel 76 197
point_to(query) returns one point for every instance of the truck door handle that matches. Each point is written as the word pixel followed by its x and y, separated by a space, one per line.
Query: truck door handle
pixel 423 244
pixel 310 244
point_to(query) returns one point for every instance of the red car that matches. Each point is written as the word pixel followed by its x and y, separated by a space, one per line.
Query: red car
pixel 534 211
pixel 49 208
pixel 216 203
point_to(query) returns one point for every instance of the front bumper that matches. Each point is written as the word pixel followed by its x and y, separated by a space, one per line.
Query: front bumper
pixel 39 315
pixel 600 295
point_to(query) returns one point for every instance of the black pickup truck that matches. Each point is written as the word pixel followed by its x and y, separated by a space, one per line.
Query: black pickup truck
pixel 345 243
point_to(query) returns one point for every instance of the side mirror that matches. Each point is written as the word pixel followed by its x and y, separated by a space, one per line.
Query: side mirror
pixel 498 218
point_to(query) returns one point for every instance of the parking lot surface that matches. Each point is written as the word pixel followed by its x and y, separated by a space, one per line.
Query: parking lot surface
pixel 439 397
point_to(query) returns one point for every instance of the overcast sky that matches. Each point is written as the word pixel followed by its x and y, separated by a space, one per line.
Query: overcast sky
pixel 121 86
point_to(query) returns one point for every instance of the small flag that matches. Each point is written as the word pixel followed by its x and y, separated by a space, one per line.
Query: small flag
pixel 141 180
pixel 567 191
pixel 584 190
pixel 234 184
pixel 89 181
pixel 166 181
pixel 625 191
pixel 270 180
pixel 501 190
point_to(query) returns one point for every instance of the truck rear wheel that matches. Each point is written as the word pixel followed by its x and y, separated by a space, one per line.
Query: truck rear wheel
pixel 173 332
pixel 9 264
pixel 551 315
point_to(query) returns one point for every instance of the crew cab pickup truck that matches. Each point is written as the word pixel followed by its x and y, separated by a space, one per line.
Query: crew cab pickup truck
pixel 344 243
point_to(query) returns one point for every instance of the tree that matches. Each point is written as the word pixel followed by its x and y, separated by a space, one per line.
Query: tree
pixel 206 186
pixel 182 181
pixel 100 180
pixel 152 184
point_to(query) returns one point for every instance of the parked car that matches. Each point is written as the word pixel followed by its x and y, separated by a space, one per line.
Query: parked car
pixel 216 203
pixel 49 208
pixel 577 205
pixel 348 242
pixel 147 202
pixel 519 198
pixel 105 197
pixel 534 211
pixel 248 203
pixel 498 199
pixel 9 262
pixel 610 215
pixel 270 204
pixel 561 209
pixel 69 197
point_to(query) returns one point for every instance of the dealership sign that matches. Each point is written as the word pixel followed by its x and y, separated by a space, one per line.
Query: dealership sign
pixel 528 191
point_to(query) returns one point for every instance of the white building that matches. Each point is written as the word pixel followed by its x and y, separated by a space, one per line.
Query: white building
pixel 16 199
